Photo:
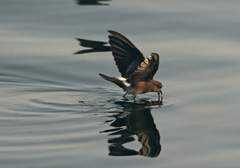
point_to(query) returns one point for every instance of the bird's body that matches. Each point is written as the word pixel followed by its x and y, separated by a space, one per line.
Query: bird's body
pixel 140 87
pixel 136 71
pixel 145 87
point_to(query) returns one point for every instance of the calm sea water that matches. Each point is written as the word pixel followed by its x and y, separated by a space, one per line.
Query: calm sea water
pixel 55 111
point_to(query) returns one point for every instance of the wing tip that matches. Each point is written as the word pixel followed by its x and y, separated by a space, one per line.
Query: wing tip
pixel 155 55
pixel 115 33
pixel 79 40
pixel 111 31
pixel 103 76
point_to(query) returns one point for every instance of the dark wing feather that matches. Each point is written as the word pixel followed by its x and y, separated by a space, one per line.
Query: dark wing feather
pixel 146 70
pixel 90 43
pixel 127 57
pixel 93 46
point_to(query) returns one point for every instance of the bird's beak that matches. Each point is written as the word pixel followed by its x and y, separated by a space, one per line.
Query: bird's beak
pixel 160 96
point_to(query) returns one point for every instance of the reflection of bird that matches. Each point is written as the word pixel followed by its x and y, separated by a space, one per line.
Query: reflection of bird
pixel 133 120
pixel 92 2
pixel 136 71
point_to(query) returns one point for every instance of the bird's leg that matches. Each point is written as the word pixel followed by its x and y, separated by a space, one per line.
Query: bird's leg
pixel 134 98
pixel 125 94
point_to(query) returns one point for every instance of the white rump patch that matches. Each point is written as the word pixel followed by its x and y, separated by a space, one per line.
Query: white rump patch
pixel 124 80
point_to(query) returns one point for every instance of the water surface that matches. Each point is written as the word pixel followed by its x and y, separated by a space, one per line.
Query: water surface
pixel 55 111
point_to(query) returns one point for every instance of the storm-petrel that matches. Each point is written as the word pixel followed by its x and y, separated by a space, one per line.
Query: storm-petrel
pixel 136 71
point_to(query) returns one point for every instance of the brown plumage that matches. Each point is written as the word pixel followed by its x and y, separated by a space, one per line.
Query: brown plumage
pixel 137 72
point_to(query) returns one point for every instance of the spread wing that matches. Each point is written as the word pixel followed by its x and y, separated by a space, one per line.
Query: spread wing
pixel 127 57
pixel 146 70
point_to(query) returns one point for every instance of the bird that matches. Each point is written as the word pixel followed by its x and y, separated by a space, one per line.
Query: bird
pixel 92 2
pixel 136 71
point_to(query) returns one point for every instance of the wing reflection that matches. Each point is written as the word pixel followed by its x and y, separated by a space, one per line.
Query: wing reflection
pixel 134 120
pixel 92 2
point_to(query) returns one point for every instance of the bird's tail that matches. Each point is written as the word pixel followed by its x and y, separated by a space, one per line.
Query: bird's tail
pixel 92 46
pixel 114 80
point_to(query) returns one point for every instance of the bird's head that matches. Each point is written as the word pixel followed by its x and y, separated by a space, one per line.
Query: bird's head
pixel 157 86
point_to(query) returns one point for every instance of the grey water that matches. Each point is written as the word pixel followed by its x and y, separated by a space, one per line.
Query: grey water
pixel 55 111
